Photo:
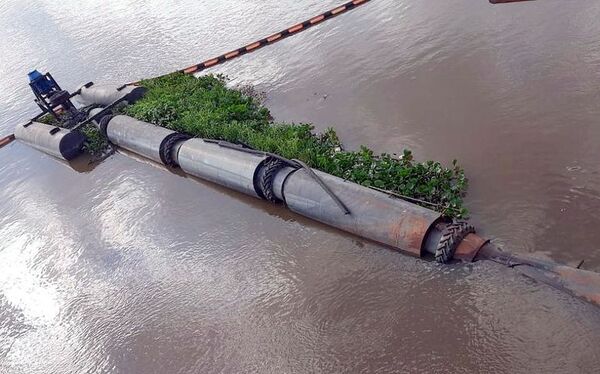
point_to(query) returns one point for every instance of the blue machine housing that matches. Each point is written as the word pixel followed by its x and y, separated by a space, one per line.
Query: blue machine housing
pixel 40 83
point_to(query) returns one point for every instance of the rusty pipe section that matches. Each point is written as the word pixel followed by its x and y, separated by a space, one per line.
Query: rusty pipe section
pixel 7 140
pixel 373 214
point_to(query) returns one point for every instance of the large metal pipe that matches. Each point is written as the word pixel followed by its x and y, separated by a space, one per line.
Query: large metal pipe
pixel 203 159
pixel 107 94
pixel 373 215
pixel 222 165
pixel 52 140
pixel 140 137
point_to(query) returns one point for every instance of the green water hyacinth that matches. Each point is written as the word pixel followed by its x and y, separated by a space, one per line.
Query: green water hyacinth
pixel 205 107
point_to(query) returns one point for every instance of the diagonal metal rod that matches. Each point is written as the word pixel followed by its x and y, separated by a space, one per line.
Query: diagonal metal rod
pixel 324 186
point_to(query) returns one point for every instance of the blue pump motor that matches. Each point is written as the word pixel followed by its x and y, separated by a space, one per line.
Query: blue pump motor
pixel 49 96
pixel 40 83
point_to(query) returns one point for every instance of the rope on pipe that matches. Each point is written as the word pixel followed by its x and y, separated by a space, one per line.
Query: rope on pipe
pixel 296 29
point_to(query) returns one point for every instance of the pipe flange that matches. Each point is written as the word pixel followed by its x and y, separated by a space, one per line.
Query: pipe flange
pixel 266 178
pixel 452 235
pixel 166 147
pixel 103 123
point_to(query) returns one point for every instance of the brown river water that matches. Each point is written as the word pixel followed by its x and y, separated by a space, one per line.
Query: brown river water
pixel 130 268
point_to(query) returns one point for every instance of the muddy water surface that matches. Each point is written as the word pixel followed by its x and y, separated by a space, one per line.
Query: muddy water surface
pixel 130 268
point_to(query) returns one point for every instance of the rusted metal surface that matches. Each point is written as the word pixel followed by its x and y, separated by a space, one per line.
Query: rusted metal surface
pixel 375 215
pixel 467 250
pixel 6 140
pixel 582 283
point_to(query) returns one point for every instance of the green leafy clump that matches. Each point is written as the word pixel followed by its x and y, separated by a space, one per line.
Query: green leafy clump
pixel 96 143
pixel 206 107
pixel 49 119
